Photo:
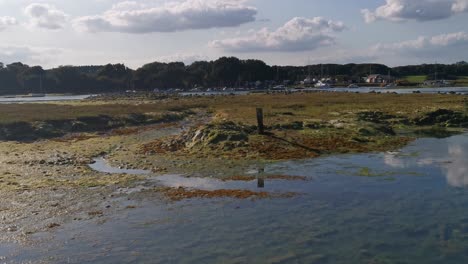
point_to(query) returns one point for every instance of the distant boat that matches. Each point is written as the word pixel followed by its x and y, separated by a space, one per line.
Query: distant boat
pixel 37 95
pixel 321 84
pixel 353 86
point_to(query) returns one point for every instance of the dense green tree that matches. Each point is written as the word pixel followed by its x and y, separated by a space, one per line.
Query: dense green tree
pixel 19 78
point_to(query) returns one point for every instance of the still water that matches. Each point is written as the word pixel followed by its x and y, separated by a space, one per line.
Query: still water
pixel 48 98
pixel 409 206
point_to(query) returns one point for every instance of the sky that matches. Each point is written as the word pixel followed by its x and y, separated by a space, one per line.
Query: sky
pixel 293 32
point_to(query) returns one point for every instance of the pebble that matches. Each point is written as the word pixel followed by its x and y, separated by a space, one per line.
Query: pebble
pixel 12 229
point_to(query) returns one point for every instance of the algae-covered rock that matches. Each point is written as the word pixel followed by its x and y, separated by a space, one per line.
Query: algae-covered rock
pixel 374 117
pixel 219 135
pixel 443 117
pixel 135 119
pixel 45 130
pixel 376 130
pixel 296 125
pixel 17 131
pixel 216 133
pixel 313 124
pixel 436 132
pixel 78 126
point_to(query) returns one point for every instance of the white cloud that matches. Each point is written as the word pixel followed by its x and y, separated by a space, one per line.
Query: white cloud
pixel 298 34
pixel 420 10
pixel 460 6
pixel 6 22
pixel 187 58
pixel 450 39
pixel 457 170
pixel 134 17
pixel 28 55
pixel 424 43
pixel 45 16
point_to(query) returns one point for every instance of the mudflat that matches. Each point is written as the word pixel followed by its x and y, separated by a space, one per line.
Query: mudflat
pixel 46 181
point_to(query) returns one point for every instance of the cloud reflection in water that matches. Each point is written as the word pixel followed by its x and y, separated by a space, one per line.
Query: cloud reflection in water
pixel 450 154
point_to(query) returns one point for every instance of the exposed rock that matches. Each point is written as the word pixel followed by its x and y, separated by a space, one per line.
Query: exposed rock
pixel 443 117
pixel 223 135
pixel 376 130
pixel 374 117
pixel 25 131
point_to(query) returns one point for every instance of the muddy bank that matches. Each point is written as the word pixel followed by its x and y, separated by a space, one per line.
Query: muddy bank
pixel 30 131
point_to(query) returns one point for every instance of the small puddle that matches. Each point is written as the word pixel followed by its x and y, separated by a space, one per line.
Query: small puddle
pixel 101 164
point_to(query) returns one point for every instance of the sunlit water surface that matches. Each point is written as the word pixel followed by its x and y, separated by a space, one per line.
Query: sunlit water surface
pixel 409 206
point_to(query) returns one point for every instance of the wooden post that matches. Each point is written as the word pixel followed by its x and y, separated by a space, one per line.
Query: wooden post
pixel 261 127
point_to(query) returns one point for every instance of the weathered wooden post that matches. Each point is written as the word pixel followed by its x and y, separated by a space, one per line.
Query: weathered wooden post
pixel 261 127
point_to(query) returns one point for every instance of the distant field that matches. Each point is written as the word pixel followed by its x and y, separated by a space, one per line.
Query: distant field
pixel 416 78
pixel 461 81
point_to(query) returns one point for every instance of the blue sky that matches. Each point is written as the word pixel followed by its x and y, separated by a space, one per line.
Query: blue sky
pixel 293 32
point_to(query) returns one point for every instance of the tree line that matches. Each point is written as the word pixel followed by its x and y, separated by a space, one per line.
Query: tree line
pixel 19 78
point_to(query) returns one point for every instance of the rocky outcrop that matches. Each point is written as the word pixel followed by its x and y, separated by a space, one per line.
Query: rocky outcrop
pixel 217 135
pixel 444 118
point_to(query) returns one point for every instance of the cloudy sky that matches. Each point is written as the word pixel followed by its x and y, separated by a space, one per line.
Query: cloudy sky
pixel 292 32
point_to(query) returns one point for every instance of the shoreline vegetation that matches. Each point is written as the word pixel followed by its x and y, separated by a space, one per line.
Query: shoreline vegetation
pixel 225 72
pixel 47 147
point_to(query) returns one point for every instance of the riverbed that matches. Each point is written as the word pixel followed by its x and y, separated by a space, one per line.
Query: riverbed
pixel 406 206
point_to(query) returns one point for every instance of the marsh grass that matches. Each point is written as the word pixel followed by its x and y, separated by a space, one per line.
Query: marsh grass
pixel 324 106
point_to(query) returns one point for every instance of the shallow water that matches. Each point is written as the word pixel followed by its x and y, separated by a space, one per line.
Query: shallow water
pixel 411 208
pixel 101 164
pixel 48 98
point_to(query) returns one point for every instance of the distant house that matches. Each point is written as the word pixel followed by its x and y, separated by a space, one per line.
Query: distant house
pixel 379 78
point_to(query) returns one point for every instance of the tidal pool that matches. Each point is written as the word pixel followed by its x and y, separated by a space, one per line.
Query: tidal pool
pixel 409 207
pixel 102 165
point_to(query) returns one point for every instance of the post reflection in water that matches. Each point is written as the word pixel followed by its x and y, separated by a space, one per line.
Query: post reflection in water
pixel 260 182
pixel 261 177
